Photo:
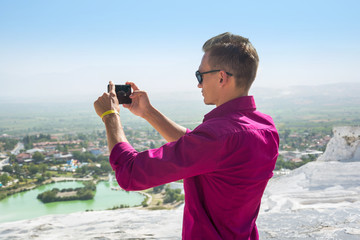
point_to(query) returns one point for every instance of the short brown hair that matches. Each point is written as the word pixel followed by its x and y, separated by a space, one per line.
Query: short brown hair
pixel 234 54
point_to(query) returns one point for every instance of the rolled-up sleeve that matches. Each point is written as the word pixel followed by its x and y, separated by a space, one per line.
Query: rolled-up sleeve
pixel 197 152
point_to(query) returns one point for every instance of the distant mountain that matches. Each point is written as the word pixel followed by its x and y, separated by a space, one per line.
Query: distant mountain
pixel 332 103
pixel 338 94
pixel 325 90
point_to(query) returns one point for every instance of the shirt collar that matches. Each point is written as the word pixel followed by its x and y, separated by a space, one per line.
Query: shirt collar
pixel 241 104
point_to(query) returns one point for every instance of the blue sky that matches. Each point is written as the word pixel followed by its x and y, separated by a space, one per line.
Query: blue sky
pixel 62 49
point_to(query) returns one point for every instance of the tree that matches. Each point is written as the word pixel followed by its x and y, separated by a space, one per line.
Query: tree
pixel 48 196
pixel 12 158
pixel 25 170
pixel 84 157
pixel 286 135
pixel 158 189
pixel 4 179
pixel 65 149
pixel 105 166
pixel 33 169
pixel 86 195
pixel 42 168
pixel 48 175
pixel 172 195
pixel 83 170
pixel 77 155
pixel 8 169
pixel 58 147
pixel 40 179
pixel 17 169
pixel 38 157
pixel 9 143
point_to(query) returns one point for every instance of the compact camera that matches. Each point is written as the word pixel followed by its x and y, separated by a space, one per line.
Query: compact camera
pixel 123 93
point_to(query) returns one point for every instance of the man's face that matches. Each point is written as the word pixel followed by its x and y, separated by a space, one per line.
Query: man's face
pixel 210 81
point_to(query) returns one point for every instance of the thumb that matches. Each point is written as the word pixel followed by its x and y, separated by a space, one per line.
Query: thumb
pixel 111 87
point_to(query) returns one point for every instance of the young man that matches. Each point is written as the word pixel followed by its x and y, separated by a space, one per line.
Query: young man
pixel 225 162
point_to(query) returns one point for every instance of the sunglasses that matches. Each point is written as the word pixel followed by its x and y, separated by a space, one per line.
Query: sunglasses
pixel 199 74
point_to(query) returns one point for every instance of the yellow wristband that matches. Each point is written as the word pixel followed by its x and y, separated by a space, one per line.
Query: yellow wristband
pixel 108 112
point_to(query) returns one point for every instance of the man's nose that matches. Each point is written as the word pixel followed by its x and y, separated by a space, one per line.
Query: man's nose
pixel 199 85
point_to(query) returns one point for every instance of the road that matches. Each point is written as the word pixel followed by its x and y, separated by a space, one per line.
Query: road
pixel 19 146
pixel 4 162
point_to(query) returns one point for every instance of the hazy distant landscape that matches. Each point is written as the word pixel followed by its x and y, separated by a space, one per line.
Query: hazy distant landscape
pixel 336 103
pixel 298 106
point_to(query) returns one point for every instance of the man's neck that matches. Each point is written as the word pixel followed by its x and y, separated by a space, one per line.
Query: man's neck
pixel 231 96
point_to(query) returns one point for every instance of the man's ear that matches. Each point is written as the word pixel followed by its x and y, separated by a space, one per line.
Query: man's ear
pixel 223 77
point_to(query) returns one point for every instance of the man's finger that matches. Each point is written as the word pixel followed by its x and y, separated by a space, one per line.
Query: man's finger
pixel 111 87
pixel 133 86
pixel 137 93
pixel 126 105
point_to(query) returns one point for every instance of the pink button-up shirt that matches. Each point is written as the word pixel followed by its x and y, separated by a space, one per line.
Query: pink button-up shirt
pixel 225 162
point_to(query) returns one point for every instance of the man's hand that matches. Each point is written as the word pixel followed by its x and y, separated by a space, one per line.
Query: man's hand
pixel 140 105
pixel 108 101
pixel 114 131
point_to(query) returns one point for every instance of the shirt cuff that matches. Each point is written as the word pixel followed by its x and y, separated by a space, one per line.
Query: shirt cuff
pixel 121 152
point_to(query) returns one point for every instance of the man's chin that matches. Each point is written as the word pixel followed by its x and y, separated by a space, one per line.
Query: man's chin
pixel 208 103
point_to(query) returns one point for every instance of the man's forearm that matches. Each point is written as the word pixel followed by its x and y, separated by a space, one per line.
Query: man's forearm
pixel 114 130
pixel 170 130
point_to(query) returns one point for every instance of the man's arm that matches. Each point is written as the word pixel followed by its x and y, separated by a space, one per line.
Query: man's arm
pixel 194 154
pixel 141 106
pixel 170 130
pixel 114 130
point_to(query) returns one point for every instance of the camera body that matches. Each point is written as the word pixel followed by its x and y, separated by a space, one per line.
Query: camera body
pixel 123 93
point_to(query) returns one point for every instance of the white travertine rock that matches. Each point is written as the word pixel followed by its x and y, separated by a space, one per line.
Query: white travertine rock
pixel 344 146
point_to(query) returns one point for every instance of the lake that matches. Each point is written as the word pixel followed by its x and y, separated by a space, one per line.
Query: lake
pixel 25 205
